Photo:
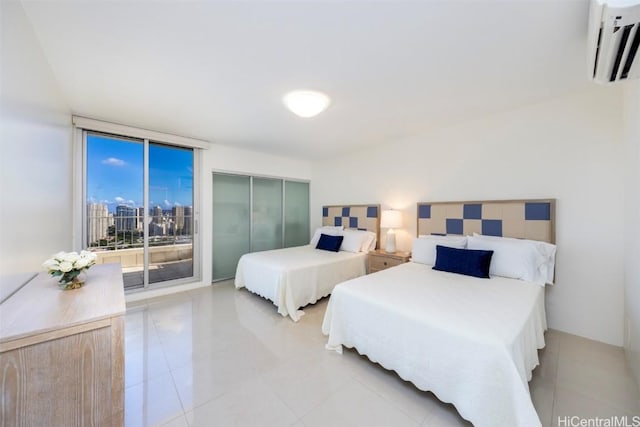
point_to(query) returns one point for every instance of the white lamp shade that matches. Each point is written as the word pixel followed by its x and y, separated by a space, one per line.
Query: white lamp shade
pixel 391 219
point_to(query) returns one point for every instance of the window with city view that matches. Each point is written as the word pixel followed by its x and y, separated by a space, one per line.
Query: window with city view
pixel 116 222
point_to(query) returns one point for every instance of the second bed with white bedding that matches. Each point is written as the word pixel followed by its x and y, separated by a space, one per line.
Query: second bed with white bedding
pixel 472 342
pixel 295 277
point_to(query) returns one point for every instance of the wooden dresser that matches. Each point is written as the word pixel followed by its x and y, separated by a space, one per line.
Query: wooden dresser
pixel 62 352
pixel 381 260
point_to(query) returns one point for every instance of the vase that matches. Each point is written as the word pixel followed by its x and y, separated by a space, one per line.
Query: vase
pixel 76 282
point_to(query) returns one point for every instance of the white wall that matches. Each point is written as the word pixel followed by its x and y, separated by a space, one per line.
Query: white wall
pixel 569 148
pixel 35 153
pixel 632 225
pixel 228 159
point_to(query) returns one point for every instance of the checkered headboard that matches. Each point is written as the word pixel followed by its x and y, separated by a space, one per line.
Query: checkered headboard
pixel 361 217
pixel 525 219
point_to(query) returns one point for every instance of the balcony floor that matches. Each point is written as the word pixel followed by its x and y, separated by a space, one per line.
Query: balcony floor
pixel 133 276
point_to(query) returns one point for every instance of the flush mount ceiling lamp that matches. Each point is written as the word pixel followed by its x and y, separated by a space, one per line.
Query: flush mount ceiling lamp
pixel 306 103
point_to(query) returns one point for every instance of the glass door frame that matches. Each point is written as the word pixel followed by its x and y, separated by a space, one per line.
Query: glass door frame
pixel 81 182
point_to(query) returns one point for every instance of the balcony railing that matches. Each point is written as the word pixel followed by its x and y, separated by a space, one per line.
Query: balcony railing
pixel 165 263
pixel 124 232
pixel 120 239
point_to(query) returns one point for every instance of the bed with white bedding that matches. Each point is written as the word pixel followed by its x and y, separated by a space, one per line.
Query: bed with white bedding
pixel 471 341
pixel 297 276
pixel 293 277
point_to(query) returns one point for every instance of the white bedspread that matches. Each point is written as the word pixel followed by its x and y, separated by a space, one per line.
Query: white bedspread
pixel 295 277
pixel 473 342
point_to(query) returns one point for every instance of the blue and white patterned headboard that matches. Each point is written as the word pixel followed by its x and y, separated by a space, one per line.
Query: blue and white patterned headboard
pixel 361 217
pixel 524 219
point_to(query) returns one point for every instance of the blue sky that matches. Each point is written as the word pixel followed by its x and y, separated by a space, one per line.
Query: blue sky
pixel 115 170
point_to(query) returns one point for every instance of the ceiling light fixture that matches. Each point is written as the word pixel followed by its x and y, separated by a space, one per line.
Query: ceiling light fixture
pixel 306 103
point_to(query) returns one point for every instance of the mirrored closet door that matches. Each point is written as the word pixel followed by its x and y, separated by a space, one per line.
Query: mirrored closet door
pixel 266 227
pixel 296 213
pixel 231 222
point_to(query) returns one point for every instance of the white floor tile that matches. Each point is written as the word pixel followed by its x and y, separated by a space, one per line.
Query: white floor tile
pixel 203 381
pixel 151 403
pixel 548 367
pixel 304 383
pixel 402 394
pixel 251 404
pixel 181 421
pixel 445 416
pixel 542 392
pixel 597 370
pixel 356 405
pixel 570 403
pixel 143 364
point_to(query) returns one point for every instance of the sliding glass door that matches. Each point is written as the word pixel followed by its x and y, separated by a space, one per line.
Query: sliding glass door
pixel 140 201
pixel 252 214
pixel 115 201
pixel 170 191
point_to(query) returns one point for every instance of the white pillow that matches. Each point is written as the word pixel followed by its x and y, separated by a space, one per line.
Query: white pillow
pixel 370 242
pixel 547 250
pixel 424 247
pixel 328 230
pixel 512 258
pixel 353 240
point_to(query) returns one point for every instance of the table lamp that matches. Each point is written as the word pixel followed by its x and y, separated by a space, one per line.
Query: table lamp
pixel 391 219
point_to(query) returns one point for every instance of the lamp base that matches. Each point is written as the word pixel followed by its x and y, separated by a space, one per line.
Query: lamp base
pixel 390 244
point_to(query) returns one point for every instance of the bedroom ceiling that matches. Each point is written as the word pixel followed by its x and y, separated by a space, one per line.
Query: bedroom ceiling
pixel 218 70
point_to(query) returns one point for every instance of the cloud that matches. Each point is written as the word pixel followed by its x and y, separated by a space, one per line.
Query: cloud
pixel 177 204
pixel 119 199
pixel 167 203
pixel 131 202
pixel 112 161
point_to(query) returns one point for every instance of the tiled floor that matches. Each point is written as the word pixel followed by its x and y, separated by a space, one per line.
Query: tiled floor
pixel 219 356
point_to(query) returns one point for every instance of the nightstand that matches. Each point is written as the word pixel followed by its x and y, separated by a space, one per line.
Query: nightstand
pixel 381 260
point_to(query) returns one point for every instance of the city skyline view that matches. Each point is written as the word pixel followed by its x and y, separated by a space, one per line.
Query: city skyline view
pixel 115 173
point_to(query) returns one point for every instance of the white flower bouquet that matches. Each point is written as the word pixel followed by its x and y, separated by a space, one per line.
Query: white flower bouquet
pixel 69 265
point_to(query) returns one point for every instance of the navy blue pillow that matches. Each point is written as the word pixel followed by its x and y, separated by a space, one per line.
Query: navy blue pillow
pixel 469 262
pixel 329 243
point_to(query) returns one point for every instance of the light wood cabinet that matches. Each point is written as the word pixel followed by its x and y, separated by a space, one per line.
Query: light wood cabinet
pixel 381 260
pixel 62 352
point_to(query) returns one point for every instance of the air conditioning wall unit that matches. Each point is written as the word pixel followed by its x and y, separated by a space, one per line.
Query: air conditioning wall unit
pixel 614 39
